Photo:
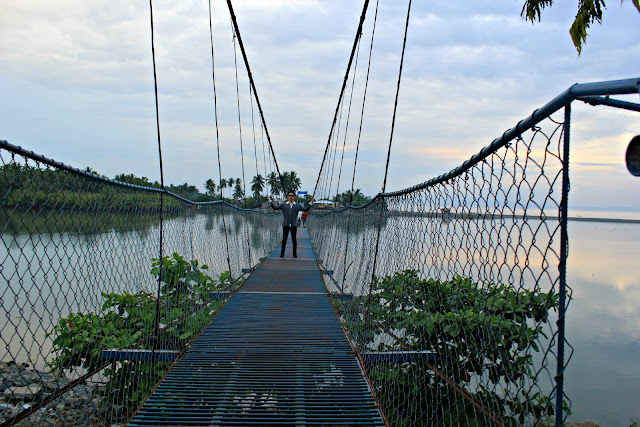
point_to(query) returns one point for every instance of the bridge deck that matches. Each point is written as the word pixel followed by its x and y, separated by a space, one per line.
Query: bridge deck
pixel 275 355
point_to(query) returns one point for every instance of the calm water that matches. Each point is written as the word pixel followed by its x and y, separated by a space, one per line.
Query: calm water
pixel 45 276
pixel 603 321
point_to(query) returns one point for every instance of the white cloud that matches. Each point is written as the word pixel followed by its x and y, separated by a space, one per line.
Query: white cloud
pixel 77 83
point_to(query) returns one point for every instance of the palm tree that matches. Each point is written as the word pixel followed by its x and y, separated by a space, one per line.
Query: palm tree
pixel 357 197
pixel 291 181
pixel 286 178
pixel 238 193
pixel 274 183
pixel 348 198
pixel 210 186
pixel 257 185
pixel 223 185
pixel 294 181
pixel 231 182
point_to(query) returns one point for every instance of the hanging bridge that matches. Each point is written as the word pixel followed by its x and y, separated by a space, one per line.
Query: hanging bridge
pixel 275 355
pixel 440 304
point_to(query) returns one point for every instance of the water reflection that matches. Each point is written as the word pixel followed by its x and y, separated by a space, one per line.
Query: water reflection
pixel 55 263
pixel 603 318
pixel 48 272
pixel 603 323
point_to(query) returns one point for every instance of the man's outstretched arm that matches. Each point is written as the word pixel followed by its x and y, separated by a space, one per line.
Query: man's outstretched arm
pixel 308 206
pixel 273 205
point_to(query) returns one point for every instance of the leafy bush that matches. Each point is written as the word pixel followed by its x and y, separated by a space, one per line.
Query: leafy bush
pixel 180 276
pixel 484 338
pixel 129 321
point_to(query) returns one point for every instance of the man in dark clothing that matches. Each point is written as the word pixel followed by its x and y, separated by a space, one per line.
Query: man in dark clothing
pixel 290 211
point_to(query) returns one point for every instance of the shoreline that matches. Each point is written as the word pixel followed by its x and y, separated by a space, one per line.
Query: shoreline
pixel 487 216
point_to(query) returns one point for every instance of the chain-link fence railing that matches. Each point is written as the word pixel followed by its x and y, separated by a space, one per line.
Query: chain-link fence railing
pixel 93 310
pixel 453 291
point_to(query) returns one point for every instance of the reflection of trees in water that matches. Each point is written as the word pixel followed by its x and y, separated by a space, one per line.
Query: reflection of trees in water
pixel 209 223
pixel 256 237
pixel 237 224
pixel 85 223
pixel 353 221
pixel 506 249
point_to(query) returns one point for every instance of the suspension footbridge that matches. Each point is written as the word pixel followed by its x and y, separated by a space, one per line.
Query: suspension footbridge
pixel 276 354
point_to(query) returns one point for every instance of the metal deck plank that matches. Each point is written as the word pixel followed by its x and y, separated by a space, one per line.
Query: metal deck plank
pixel 275 355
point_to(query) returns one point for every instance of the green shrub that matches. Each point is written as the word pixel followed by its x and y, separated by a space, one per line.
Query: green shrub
pixel 484 338
pixel 128 321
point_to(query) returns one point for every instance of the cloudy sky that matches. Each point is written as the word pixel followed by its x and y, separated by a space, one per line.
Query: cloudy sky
pixel 76 84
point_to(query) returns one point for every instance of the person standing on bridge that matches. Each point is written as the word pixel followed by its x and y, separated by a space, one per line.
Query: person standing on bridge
pixel 290 211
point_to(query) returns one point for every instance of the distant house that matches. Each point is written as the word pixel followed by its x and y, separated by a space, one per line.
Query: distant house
pixel 327 204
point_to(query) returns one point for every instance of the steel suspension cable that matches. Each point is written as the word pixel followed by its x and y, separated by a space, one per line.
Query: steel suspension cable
pixel 346 128
pixel 395 104
pixel 355 162
pixel 215 109
pixel 246 63
pixel 344 84
pixel 255 150
pixel 235 62
pixel 334 150
pixel 375 253
pixel 440 374
pixel 244 179
pixel 404 43
pixel 160 249
pixel 33 408
pixel 264 158
pixel 364 97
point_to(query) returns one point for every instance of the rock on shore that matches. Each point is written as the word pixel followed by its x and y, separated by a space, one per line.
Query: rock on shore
pixel 21 387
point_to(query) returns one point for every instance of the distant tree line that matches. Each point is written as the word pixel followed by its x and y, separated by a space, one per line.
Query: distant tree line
pixel 349 198
pixel 30 186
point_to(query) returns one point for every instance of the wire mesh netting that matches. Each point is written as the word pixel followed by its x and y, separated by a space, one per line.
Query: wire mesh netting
pixel 81 274
pixel 450 290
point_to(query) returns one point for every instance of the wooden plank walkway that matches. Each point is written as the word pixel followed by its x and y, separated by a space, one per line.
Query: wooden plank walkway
pixel 275 355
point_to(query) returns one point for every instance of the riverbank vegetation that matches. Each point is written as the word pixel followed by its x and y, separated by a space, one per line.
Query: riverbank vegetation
pixel 128 321
pixel 27 186
pixel 484 338
pixel 24 186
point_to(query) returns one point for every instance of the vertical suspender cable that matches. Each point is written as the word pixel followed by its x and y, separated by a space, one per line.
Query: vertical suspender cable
pixel 255 149
pixel 235 62
pixel 355 162
pixel 264 158
pixel 246 63
pixel 381 197
pixel 346 128
pixel 215 109
pixel 244 179
pixel 160 249
pixel 344 85
pixel 395 105
pixel 375 254
pixel 334 150
pixel 364 97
